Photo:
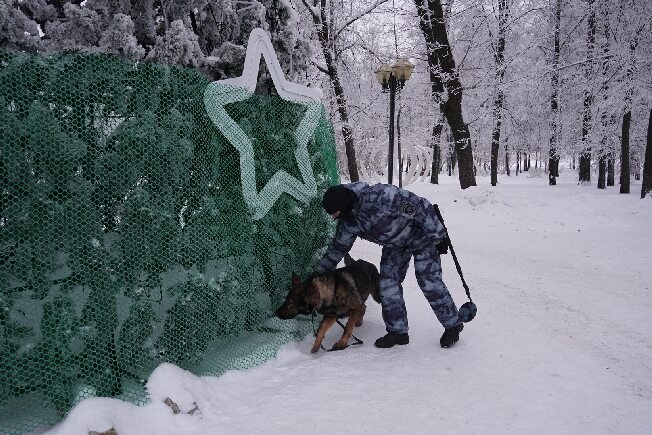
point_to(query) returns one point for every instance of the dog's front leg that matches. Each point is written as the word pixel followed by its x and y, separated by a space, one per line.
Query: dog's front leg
pixel 324 326
pixel 354 318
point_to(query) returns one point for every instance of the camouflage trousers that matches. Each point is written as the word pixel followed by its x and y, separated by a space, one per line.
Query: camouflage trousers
pixel 427 266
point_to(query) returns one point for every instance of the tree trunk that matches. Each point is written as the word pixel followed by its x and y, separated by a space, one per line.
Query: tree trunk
pixel 602 172
pixel 499 56
pixel 451 150
pixel 324 35
pixel 605 144
pixel 585 153
pixel 646 187
pixel 506 156
pixel 624 154
pixel 495 137
pixel 553 163
pixel 436 153
pixel 432 24
pixel 629 91
pixel 611 170
pixel 142 13
pixel 518 162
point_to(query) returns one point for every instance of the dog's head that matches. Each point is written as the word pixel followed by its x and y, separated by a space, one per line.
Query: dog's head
pixel 302 299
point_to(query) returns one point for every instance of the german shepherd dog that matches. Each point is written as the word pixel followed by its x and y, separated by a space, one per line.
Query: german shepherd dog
pixel 335 294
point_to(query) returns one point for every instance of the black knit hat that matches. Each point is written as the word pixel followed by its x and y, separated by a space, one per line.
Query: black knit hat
pixel 338 198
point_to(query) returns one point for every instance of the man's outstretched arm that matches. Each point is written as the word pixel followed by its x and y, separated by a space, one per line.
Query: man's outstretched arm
pixel 339 246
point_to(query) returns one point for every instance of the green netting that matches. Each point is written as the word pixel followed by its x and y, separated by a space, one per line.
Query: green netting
pixel 125 237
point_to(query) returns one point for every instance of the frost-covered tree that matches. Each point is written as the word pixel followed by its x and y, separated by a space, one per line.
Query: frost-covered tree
pixel 120 39
pixel 179 46
pixel 329 24
pixel 441 58
pixel 17 29
pixel 547 77
pixel 209 35
pixel 646 185
pixel 80 30
pixel 499 56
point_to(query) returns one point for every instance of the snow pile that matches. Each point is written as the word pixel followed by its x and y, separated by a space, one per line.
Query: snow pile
pixel 176 397
pixel 176 388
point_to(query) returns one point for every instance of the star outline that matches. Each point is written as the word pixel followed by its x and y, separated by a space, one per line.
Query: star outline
pixel 222 92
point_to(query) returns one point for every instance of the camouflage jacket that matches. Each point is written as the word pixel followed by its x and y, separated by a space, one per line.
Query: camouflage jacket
pixel 386 215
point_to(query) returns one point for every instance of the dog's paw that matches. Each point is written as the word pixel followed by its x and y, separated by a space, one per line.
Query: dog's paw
pixel 340 345
pixel 315 349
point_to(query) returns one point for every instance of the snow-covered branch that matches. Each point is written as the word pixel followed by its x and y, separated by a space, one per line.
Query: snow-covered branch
pixel 358 16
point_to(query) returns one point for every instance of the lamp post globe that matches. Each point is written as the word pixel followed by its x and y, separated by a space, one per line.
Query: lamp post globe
pixel 383 74
pixel 390 78
pixel 402 69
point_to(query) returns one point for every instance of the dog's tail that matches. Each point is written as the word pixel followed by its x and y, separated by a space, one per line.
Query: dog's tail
pixel 348 260
pixel 375 288
pixel 375 285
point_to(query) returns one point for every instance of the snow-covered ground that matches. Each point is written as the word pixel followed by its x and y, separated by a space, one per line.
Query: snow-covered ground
pixel 562 343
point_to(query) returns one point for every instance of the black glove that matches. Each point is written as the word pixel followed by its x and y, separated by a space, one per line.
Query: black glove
pixel 442 247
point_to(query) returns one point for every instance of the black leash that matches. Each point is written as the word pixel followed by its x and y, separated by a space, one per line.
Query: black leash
pixel 314 333
pixel 459 270
pixel 457 263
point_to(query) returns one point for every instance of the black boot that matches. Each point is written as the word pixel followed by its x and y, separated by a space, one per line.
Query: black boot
pixel 451 335
pixel 392 339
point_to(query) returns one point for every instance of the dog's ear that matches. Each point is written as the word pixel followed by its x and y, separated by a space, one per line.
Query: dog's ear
pixel 295 279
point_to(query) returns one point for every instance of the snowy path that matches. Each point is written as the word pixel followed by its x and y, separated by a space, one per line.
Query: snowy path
pixel 561 344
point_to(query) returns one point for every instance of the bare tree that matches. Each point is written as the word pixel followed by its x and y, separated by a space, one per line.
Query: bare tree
pixel 646 187
pixel 327 36
pixel 499 56
pixel 624 154
pixel 585 153
pixel 440 58
pixel 436 152
pixel 553 163
pixel 604 152
pixel 629 91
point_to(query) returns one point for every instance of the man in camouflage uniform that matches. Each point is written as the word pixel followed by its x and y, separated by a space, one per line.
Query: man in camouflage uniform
pixel 405 225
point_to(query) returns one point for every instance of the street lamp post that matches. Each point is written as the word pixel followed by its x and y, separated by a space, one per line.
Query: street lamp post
pixel 391 78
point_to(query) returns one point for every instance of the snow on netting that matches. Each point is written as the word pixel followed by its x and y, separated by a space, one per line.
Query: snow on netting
pixel 126 238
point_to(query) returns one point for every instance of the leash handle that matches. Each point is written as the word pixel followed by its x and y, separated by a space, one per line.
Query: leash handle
pixel 450 245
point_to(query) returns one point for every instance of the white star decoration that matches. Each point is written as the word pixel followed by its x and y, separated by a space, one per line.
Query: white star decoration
pixel 222 92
